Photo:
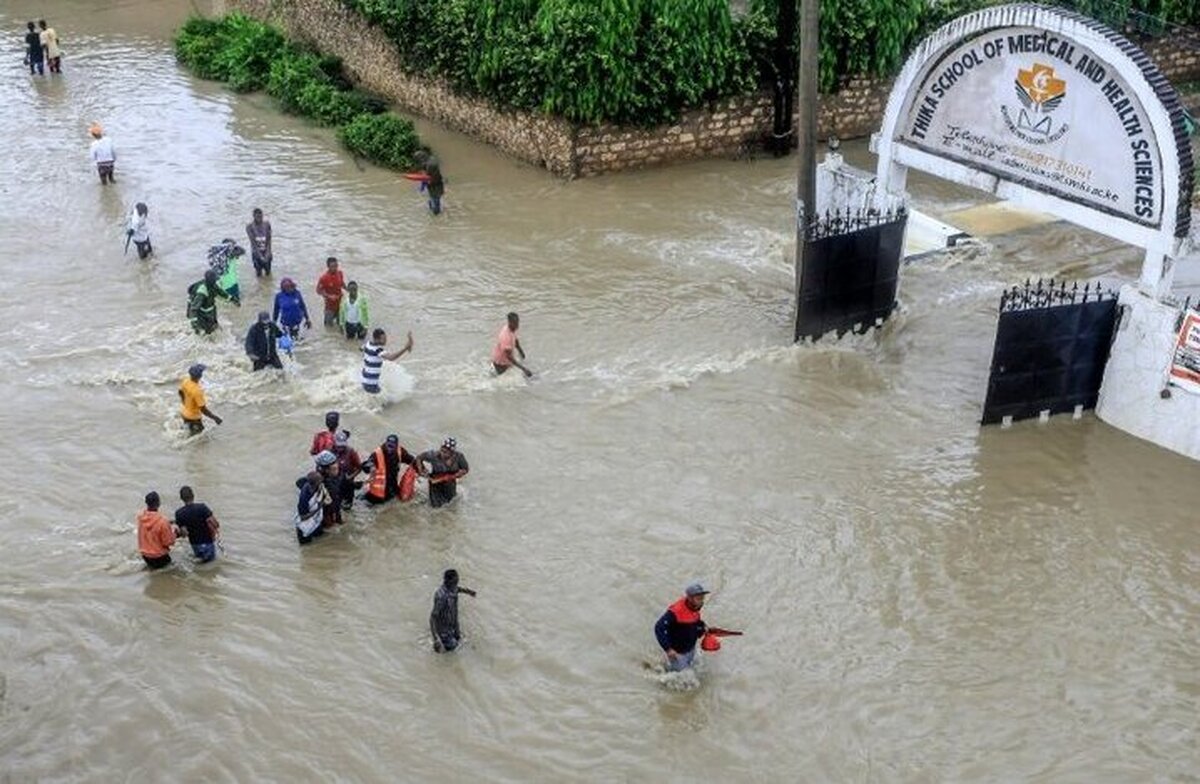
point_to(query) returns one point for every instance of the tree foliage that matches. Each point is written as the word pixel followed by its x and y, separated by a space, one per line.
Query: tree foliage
pixel 644 61
pixel 635 62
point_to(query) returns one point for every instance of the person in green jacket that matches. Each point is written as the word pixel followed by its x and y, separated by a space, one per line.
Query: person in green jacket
pixel 353 317
pixel 202 303
pixel 223 260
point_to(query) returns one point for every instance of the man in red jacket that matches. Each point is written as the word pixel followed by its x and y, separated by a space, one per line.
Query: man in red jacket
pixel 680 628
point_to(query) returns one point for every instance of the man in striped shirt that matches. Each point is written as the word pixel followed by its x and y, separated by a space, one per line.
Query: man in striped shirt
pixel 374 355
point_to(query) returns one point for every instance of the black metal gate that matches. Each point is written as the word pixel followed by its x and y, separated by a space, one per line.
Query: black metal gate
pixel 850 272
pixel 1052 345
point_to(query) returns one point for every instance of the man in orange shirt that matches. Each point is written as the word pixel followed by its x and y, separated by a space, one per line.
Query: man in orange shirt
pixel 330 287
pixel 155 534
pixel 506 343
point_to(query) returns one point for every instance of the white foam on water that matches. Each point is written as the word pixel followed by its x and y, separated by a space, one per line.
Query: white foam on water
pixel 470 377
pixel 341 387
pixel 683 680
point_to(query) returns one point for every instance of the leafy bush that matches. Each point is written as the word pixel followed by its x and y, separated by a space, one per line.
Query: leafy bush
pixel 198 46
pixel 384 139
pixel 250 55
pixel 291 73
pixel 233 49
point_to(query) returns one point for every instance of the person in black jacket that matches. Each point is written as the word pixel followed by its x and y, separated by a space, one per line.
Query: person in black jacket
pixel 261 344
pixel 34 54
pixel 680 628
pixel 443 620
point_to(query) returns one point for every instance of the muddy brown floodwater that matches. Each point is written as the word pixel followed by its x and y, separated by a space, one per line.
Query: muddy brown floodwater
pixel 922 600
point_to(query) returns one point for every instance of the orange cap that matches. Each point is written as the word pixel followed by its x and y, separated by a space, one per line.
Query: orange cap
pixel 96 130
pixel 710 642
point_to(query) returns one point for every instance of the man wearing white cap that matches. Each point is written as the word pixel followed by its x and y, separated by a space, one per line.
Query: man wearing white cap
pixel 680 628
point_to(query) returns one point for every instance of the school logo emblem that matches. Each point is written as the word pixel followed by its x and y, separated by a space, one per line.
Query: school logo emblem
pixel 1039 93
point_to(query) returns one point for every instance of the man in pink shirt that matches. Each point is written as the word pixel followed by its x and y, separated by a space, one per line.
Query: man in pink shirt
pixel 506 343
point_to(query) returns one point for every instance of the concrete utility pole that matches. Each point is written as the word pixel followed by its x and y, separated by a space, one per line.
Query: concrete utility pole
pixel 806 129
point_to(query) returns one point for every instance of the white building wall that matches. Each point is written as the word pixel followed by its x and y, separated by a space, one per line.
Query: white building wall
pixel 1137 371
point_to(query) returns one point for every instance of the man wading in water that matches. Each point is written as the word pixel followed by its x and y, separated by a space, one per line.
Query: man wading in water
pixel 155 534
pixel 192 403
pixel 373 357
pixel 103 154
pixel 446 466
pixel 506 342
pixel 259 233
pixel 202 303
pixel 330 286
pixel 262 343
pixel 443 621
pixel 680 628
pixel 138 231
pixel 200 524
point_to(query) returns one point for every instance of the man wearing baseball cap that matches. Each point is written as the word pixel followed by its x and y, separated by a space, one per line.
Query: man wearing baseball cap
pixel 383 468
pixel 680 628
pixel 192 403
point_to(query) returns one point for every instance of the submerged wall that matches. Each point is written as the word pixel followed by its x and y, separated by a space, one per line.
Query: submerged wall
pixel 1138 366
pixel 729 128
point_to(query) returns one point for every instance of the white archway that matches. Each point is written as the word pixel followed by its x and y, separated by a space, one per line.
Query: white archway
pixel 1055 112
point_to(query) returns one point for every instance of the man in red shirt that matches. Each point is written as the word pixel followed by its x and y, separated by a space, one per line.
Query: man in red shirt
pixel 323 440
pixel 330 286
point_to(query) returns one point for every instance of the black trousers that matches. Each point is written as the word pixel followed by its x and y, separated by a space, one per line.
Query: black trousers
pixel 157 561
pixel 442 493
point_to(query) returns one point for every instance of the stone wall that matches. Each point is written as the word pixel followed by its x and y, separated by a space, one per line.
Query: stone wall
pixel 1178 57
pixel 730 128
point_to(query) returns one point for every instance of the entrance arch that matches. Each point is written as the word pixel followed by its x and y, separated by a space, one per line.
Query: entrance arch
pixel 1053 111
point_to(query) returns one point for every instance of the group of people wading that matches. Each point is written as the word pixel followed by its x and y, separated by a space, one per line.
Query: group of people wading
pixel 328 490
pixel 390 473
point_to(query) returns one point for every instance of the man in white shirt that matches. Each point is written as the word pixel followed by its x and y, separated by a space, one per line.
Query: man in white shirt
pixel 103 154
pixel 138 230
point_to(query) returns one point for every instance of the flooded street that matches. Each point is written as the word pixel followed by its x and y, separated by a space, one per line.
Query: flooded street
pixel 922 600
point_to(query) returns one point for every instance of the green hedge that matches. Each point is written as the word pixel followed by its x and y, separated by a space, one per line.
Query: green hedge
pixel 638 62
pixel 250 55
pixel 632 62
pixel 643 62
